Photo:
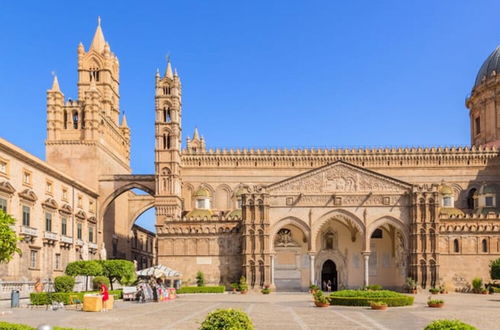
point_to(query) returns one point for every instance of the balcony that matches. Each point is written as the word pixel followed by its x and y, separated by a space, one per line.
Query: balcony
pixel 79 242
pixel 28 231
pixel 92 246
pixel 50 236
pixel 66 239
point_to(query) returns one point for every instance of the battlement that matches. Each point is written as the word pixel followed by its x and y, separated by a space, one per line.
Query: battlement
pixel 470 216
pixel 313 157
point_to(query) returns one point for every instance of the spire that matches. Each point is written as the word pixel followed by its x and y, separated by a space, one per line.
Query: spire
pixel 98 42
pixel 55 85
pixel 169 73
pixel 196 135
pixel 124 121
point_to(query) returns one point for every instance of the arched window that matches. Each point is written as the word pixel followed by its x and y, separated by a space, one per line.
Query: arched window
pixel 329 241
pixel 470 199
pixel 377 233
pixel 75 119
pixel 164 141
pixel 167 115
pixel 82 125
pixel 484 244
pixel 65 119
pixel 456 247
pixel 94 74
pixel 168 141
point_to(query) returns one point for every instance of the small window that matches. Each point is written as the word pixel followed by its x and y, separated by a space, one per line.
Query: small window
pixel 48 221
pixel 33 259
pixel 80 202
pixel 478 125
pixel 484 244
pixel 64 226
pixel 75 119
pixel 3 167
pixel 49 187
pixel 26 215
pixel 488 201
pixel 58 261
pixel 377 233
pixel 456 247
pixel 3 205
pixel 65 194
pixel 91 234
pixel 79 231
pixel 27 178
pixel 447 201
pixel 65 119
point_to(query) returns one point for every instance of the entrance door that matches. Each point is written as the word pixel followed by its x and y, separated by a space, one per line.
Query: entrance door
pixel 329 276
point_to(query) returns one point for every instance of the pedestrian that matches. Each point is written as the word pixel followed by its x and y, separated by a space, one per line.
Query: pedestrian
pixel 105 296
pixel 329 285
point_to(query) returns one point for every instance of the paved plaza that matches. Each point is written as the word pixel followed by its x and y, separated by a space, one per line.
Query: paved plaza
pixel 275 311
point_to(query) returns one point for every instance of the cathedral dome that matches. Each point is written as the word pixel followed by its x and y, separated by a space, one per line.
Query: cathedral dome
pixel 489 68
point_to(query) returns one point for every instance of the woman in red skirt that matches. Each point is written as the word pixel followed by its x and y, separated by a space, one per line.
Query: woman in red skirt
pixel 105 295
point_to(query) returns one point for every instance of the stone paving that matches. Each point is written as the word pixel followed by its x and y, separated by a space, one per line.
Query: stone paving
pixel 275 311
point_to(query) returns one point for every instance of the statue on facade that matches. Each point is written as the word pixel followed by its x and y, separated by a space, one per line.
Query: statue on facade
pixel 285 238
pixel 103 253
pixel 84 251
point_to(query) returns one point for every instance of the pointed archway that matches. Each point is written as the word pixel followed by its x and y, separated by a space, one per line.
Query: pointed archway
pixel 329 276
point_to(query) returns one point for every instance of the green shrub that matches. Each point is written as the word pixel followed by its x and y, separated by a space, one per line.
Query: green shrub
pixel 435 301
pixel 364 297
pixel 98 280
pixel 434 290
pixel 243 285
pixel 227 319
pixel 449 325
pixel 320 297
pixel 410 284
pixel 202 289
pixel 44 298
pixel 266 291
pixel 477 284
pixel 377 303
pixel 64 283
pixel 200 279
pixel 16 326
pixel 374 287
pixel 495 269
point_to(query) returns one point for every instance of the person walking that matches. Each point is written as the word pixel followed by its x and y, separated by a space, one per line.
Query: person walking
pixel 105 296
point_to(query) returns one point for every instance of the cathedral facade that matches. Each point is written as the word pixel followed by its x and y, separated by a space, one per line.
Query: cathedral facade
pixel 286 218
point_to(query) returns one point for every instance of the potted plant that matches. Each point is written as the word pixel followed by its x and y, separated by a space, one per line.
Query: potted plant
pixel 491 289
pixel 435 303
pixel 320 300
pixel 484 291
pixel 313 288
pixel 477 285
pixel 378 305
pixel 265 291
pixel 243 285
pixel 442 290
pixel 434 290
pixel 235 287
pixel 411 285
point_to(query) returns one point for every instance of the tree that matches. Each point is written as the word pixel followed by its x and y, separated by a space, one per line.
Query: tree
pixel 84 268
pixel 121 270
pixel 200 279
pixel 64 283
pixel 495 269
pixel 8 238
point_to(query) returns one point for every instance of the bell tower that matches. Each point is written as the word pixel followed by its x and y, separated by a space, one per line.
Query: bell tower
pixel 84 136
pixel 168 112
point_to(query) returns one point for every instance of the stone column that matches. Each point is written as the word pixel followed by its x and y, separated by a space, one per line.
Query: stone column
pixel 366 258
pixel 311 268
pixel 272 270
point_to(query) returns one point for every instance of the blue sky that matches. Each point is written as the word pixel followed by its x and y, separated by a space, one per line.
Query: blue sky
pixel 260 73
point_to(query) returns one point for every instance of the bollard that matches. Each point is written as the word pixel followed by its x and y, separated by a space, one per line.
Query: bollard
pixel 44 327
pixel 14 298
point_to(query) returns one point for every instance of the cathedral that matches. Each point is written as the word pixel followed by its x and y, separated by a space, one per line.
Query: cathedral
pixel 284 218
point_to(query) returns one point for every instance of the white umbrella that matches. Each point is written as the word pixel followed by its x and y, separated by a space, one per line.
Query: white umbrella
pixel 159 271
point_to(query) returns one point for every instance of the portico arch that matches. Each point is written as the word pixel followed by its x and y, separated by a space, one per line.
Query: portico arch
pixel 387 220
pixel 302 225
pixel 350 220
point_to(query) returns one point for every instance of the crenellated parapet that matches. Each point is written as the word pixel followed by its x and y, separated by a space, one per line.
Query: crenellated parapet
pixel 314 157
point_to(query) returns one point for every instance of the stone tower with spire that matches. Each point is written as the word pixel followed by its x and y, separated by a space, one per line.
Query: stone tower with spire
pixel 168 112
pixel 84 137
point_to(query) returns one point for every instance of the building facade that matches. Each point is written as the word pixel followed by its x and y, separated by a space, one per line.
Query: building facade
pixel 281 217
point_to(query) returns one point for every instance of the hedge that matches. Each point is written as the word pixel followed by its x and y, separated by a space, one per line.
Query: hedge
pixel 449 325
pixel 363 298
pixel 64 283
pixel 16 326
pixel 44 298
pixel 227 319
pixel 202 289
